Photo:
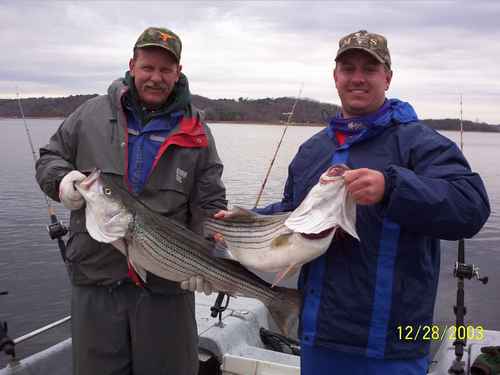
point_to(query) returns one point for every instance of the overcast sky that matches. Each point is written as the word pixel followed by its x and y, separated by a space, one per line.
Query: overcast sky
pixel 440 49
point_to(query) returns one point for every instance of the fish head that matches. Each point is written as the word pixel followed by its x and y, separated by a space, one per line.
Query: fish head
pixel 334 173
pixel 107 218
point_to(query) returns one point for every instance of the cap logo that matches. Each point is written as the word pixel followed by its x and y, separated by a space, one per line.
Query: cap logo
pixel 165 37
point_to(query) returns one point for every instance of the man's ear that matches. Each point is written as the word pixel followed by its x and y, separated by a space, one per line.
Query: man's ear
pixel 388 79
pixel 335 75
pixel 131 65
pixel 179 69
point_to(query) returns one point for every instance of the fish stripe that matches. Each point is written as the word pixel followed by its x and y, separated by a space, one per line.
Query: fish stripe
pixel 174 255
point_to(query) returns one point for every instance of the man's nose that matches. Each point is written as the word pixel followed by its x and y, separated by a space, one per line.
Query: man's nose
pixel 156 76
pixel 358 76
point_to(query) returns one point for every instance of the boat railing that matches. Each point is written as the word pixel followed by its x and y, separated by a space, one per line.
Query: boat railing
pixel 41 330
pixel 8 345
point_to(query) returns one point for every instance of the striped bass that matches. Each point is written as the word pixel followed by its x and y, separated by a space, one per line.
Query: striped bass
pixel 165 248
pixel 284 242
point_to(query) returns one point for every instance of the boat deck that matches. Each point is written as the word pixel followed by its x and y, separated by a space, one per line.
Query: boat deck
pixel 234 347
pixel 233 344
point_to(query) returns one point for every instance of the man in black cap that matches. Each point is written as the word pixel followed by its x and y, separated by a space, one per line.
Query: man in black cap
pixel 368 304
pixel 146 131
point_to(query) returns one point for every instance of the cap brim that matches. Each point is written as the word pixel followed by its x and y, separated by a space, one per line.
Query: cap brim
pixel 145 45
pixel 378 58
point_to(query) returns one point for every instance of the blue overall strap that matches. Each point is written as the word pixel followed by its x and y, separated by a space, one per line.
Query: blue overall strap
pixel 314 284
pixel 382 300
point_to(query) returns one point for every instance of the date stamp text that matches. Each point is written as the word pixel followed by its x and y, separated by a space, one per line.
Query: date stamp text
pixel 436 332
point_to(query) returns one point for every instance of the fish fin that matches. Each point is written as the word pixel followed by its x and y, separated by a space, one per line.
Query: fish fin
pixel 143 274
pixel 120 245
pixel 290 271
pixel 285 309
pixel 281 240
pixel 220 249
pixel 241 212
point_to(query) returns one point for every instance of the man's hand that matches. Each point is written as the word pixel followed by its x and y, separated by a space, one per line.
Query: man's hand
pixel 366 186
pixel 197 284
pixel 222 214
pixel 68 195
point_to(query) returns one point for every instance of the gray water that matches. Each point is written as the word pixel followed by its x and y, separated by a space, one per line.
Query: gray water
pixel 32 272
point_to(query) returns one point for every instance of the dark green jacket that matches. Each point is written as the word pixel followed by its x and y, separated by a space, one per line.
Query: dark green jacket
pixel 95 135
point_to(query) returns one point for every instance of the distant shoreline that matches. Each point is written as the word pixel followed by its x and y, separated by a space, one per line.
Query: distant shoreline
pixel 265 111
pixel 256 123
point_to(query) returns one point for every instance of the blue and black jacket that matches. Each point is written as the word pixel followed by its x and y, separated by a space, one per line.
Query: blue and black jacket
pixel 358 293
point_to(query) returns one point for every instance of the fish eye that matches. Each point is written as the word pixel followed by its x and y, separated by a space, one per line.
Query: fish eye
pixel 107 191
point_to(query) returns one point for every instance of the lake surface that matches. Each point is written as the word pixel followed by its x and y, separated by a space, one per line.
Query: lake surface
pixel 33 273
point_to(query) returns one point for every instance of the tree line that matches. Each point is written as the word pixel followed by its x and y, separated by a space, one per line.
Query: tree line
pixel 243 110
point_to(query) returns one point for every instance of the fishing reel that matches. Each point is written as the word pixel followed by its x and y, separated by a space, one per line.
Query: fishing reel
pixel 57 231
pixel 56 228
pixel 6 343
pixel 468 271
pixel 217 309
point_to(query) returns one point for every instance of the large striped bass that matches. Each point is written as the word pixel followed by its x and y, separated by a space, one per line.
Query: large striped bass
pixel 161 246
pixel 284 242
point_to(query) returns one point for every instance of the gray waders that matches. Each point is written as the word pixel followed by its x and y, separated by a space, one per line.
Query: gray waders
pixel 126 330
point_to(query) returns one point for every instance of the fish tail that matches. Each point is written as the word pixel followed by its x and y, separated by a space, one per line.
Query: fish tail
pixel 285 309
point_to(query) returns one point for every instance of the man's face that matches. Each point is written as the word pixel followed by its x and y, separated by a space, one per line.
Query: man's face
pixel 361 82
pixel 155 73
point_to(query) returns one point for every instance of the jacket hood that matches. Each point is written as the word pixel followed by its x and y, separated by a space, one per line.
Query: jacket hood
pixel 393 112
pixel 401 112
pixel 179 99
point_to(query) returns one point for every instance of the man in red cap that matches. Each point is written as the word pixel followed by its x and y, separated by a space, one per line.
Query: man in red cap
pixel 146 132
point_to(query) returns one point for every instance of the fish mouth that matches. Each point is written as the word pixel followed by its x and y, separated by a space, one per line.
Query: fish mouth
pixel 318 236
pixel 88 181
pixel 333 173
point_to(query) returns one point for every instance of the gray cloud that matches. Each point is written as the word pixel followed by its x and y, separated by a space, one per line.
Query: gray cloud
pixel 259 49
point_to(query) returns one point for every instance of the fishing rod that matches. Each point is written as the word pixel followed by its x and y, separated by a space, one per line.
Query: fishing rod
pixel 462 271
pixel 56 229
pixel 290 115
pixel 217 309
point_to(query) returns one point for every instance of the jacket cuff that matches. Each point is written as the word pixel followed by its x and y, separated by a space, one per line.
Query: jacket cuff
pixel 390 177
